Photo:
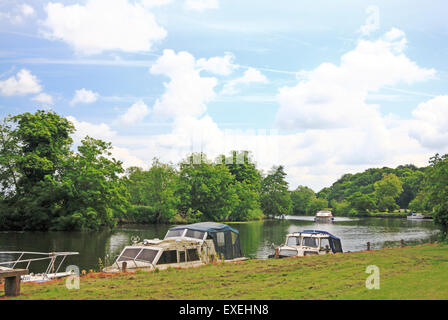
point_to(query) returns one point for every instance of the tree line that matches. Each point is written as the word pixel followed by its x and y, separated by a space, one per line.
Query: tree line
pixel 47 184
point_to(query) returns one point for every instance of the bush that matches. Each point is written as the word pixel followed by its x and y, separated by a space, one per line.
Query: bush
pixel 141 214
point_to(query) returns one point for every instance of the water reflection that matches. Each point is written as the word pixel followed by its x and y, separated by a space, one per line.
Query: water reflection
pixel 257 238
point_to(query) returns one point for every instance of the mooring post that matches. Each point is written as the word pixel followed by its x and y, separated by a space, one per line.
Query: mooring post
pixel 12 286
pixel 124 266
pixel 402 243
pixel 276 253
pixel 368 246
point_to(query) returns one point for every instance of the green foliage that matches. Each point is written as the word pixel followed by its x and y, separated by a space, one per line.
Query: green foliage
pixel 437 191
pixel 387 190
pixel 275 197
pixel 340 208
pixel 154 189
pixel 361 203
pixel 316 205
pixel 301 199
pixel 46 186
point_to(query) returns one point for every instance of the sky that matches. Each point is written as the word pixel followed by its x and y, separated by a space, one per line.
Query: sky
pixel 323 88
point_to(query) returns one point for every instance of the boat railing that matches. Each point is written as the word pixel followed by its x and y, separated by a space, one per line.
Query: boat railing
pixel 52 257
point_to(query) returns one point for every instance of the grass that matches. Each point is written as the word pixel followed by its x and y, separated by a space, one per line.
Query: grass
pixel 419 272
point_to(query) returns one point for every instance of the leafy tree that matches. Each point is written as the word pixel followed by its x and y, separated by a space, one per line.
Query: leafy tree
pixel 387 190
pixel 301 199
pixel 275 197
pixel 155 190
pixel 45 185
pixel 362 202
pixel 437 188
pixel 207 188
pixel 316 205
pixel 340 207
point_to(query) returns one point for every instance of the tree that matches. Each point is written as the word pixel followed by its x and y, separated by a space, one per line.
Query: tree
pixel 247 185
pixel 316 205
pixel 45 185
pixel 206 188
pixel 387 190
pixel 362 202
pixel 275 197
pixel 154 189
pixel 301 199
pixel 437 191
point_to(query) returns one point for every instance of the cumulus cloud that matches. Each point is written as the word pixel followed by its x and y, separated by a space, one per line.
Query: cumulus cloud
pixel 431 126
pixel 23 83
pixel 135 113
pixel 84 96
pixel 333 96
pixel 187 92
pixel 251 75
pixel 218 65
pixel 201 5
pixel 98 131
pixel 43 98
pixel 102 25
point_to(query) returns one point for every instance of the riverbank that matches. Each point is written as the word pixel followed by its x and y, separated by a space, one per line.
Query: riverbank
pixel 417 272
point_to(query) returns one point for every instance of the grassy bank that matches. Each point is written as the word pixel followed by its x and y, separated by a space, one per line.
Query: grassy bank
pixel 418 272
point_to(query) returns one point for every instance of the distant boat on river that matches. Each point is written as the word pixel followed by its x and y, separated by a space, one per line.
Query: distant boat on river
pixel 324 216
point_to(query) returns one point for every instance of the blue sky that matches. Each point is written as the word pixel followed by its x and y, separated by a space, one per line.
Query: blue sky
pixel 322 87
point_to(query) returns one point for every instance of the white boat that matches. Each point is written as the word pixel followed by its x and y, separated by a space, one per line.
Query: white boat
pixel 308 243
pixel 23 259
pixel 324 216
pixel 183 247
pixel 417 216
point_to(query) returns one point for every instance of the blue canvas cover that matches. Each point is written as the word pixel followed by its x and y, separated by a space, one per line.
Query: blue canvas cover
pixel 230 248
pixel 335 242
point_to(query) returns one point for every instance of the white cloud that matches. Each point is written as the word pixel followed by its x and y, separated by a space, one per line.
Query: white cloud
pixel 431 125
pixel 251 75
pixel 84 96
pixel 22 83
pixel 27 10
pixel 135 113
pixel 219 65
pixel 155 3
pixel 187 92
pixel 98 131
pixel 102 25
pixel 201 5
pixel 334 96
pixel 43 98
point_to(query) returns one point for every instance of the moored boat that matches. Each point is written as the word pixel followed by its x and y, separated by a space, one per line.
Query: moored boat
pixel 417 216
pixel 307 243
pixel 183 247
pixel 324 216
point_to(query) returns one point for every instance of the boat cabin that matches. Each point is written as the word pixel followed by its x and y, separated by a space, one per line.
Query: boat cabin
pixel 183 246
pixel 309 242
pixel 323 216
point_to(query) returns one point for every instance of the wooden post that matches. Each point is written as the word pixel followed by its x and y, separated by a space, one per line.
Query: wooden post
pixel 368 246
pixel 402 243
pixel 276 253
pixel 124 266
pixel 12 286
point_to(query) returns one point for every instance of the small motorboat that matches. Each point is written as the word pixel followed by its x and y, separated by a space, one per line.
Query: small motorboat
pixel 417 216
pixel 308 243
pixel 324 216
pixel 183 247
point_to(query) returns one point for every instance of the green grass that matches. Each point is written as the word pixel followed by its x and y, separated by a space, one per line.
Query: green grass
pixel 419 272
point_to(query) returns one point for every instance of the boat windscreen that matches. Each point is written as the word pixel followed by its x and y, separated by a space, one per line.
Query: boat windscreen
pixel 147 255
pixel 293 241
pixel 174 233
pixel 310 242
pixel 129 254
pixel 195 234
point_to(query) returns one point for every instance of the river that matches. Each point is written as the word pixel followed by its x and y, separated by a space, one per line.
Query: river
pixel 257 238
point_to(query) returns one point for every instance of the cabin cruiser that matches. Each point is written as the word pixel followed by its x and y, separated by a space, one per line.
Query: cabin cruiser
pixel 323 216
pixel 417 216
pixel 183 247
pixel 308 243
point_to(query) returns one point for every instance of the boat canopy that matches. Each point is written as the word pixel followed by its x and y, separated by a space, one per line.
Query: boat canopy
pixel 225 238
pixel 335 242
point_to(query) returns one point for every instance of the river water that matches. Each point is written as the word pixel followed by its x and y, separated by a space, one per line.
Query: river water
pixel 257 238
